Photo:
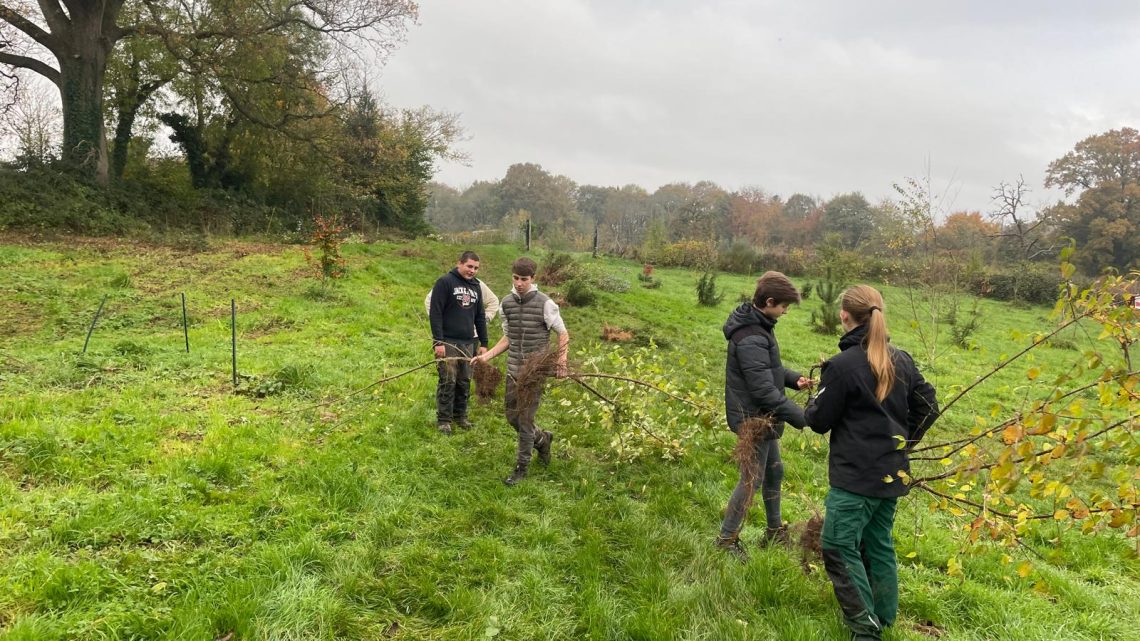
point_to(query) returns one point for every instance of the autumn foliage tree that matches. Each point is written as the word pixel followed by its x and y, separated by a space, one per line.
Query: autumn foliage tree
pixel 1103 171
pixel 1065 453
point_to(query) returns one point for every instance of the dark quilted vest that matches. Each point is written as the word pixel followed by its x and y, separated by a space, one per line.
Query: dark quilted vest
pixel 526 327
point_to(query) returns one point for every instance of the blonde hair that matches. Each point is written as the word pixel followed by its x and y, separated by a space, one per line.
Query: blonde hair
pixel 862 302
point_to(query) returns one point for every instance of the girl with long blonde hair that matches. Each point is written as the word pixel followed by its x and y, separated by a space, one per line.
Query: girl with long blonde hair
pixel 876 406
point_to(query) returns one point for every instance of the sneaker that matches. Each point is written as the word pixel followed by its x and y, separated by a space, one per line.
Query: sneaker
pixel 517 475
pixel 776 536
pixel 445 429
pixel 733 547
pixel 544 448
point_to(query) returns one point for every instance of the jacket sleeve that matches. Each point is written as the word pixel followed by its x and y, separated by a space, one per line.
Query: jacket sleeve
pixel 439 296
pixel 922 407
pixel 490 302
pixel 756 366
pixel 791 377
pixel 827 407
pixel 481 319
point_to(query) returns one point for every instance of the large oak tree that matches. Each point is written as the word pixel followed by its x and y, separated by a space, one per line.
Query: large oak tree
pixel 1104 170
pixel 70 43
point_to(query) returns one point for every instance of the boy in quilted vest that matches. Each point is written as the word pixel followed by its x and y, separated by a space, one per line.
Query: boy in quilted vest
pixel 528 318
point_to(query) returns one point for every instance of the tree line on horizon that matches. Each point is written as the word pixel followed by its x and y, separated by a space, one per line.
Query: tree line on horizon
pixel 1102 172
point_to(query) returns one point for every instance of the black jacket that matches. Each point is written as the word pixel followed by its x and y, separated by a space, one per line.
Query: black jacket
pixel 870 440
pixel 754 376
pixel 457 309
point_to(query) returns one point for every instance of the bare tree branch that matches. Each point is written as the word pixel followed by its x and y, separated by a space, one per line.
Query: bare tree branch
pixel 30 29
pixel 31 64
pixel 56 19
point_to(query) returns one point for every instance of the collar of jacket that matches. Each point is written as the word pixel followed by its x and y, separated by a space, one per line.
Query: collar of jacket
pixel 528 295
pixel 856 336
pixel 743 316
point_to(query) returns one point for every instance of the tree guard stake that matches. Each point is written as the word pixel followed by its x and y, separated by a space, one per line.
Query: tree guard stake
pixel 185 326
pixel 233 336
pixel 93 321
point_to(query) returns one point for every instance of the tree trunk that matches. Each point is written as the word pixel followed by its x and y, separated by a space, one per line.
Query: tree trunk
pixel 122 141
pixel 82 70
pixel 128 110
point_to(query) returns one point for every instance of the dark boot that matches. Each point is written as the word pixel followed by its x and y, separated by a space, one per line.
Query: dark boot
pixel 517 475
pixel 732 546
pixel 776 536
pixel 543 448
pixel 445 429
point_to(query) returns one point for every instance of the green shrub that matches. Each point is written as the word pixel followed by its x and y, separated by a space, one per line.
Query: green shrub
pixel 579 293
pixel 707 293
pixel 1029 283
pixel 825 318
pixel 698 254
pixel 792 263
pixel 739 258
pixel 558 268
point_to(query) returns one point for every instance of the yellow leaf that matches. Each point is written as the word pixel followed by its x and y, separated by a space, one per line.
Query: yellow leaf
pixel 954 566
pixel 1025 569
pixel 912 555
pixel 1011 434
pixel 1061 515
pixel 1033 373
pixel 888 479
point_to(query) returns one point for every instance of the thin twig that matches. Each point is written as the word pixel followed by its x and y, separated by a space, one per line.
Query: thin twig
pixel 1007 361
pixel 1022 459
pixel 643 384
pixel 374 384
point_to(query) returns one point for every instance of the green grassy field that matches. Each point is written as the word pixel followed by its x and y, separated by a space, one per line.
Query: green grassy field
pixel 141 498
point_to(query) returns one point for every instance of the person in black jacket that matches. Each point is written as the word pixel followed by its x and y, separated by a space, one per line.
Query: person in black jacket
pixel 754 384
pixel 877 406
pixel 457 326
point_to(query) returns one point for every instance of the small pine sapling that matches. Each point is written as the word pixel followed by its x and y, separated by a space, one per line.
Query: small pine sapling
pixel 825 320
pixel 707 294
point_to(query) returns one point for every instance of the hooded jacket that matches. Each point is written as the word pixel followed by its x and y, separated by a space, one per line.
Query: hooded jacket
pixel 456 310
pixel 754 376
pixel 870 440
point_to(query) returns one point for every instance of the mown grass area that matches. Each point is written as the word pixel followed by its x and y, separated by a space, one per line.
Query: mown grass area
pixel 141 498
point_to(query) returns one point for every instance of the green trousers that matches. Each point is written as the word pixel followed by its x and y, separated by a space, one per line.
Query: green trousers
pixel 859 555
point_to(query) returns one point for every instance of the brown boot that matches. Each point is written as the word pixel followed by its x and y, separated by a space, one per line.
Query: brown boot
pixel 732 546
pixel 776 536
pixel 543 448
pixel 517 475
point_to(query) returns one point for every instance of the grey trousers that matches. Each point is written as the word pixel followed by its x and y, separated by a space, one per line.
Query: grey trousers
pixel 520 414
pixel 770 473
pixel 454 383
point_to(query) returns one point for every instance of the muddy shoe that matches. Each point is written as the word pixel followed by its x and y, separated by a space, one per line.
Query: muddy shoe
pixel 445 429
pixel 463 424
pixel 733 547
pixel 544 448
pixel 776 536
pixel 516 476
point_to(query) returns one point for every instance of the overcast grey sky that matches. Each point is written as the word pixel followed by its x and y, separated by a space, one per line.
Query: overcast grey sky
pixel 813 96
